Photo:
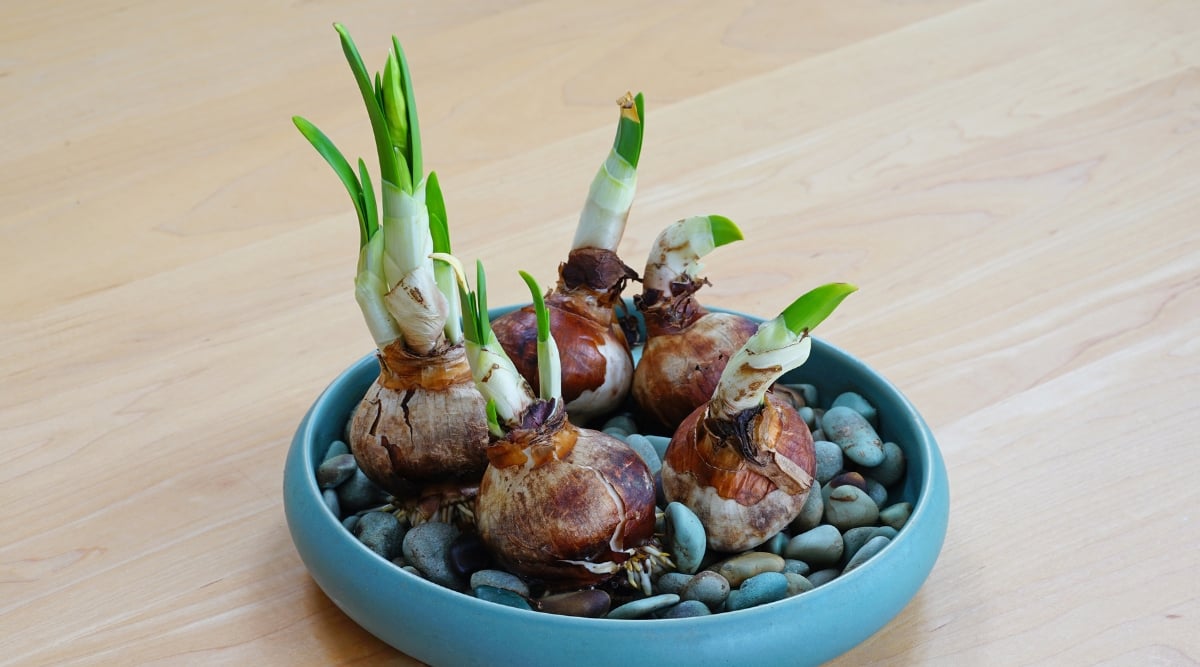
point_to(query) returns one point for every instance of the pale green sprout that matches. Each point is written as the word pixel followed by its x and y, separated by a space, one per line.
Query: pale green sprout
pixel 679 247
pixel 602 221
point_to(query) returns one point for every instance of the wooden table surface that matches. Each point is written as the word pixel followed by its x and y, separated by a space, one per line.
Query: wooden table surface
pixel 1014 185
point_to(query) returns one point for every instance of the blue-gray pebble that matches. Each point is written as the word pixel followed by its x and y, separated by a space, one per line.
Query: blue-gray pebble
pixel 380 532
pixel 748 565
pixel 501 596
pixel 336 448
pixel 858 404
pixel 891 470
pixel 759 589
pixel 822 577
pixel 849 507
pixel 810 514
pixel 708 587
pixel 672 582
pixel 359 493
pixel 644 449
pixel 644 607
pixel 335 470
pixel 872 547
pixel 427 547
pixel 330 498
pixel 686 540
pixel 500 579
pixel 854 434
pixel 685 609
pixel 896 515
pixel 818 547
pixel 829 460
pixel 660 443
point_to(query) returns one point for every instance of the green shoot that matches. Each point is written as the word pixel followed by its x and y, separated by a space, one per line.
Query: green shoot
pixel 549 365
pixel 415 161
pixel 805 313
pixel 628 142
pixel 388 166
pixel 724 231
pixel 326 148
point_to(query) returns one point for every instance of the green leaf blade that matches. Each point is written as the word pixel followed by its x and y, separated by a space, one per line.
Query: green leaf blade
pixel 327 150
pixel 806 312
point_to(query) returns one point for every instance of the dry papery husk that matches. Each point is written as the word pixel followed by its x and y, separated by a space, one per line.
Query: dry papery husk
pixel 597 366
pixel 421 421
pixel 686 349
pixel 710 466
pixel 559 503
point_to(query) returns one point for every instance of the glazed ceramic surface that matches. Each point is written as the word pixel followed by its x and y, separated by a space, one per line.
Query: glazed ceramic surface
pixel 443 627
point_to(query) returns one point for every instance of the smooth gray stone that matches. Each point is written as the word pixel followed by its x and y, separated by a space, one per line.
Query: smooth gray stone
pixel 359 493
pixel 822 577
pixel 660 443
pixel 621 422
pixel 808 391
pixel 336 448
pixel 872 547
pixel 759 589
pixel 349 522
pixel 818 547
pixel 644 449
pixel 335 470
pixel 708 587
pixel 775 544
pixel 644 607
pixel 747 565
pixel 858 404
pixel 685 609
pixel 427 546
pixel 330 497
pixel 686 540
pixel 854 434
pixel 829 460
pixel 502 596
pixel 796 566
pixel 589 603
pixel 381 532
pixel 412 570
pixel 849 507
pixel 797 584
pixel 619 434
pixel 891 470
pixel 500 579
pixel 809 416
pixel 878 492
pixel 854 539
pixel 896 515
pixel 672 582
pixel 810 514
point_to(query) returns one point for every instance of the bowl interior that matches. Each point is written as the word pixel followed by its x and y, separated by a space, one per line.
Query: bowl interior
pixel 440 626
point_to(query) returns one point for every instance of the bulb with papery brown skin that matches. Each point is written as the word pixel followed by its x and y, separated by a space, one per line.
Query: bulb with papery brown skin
pixel 682 360
pixel 597 365
pixel 744 480
pixel 564 506
pixel 421 421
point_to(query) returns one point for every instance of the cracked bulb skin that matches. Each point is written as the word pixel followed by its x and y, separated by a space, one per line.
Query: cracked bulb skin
pixel 564 506
pixel 740 502
pixel 421 421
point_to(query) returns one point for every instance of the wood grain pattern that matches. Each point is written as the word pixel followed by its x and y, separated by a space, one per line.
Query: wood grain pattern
pixel 1011 183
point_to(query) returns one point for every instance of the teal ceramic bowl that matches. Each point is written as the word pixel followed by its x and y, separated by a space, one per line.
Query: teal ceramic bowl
pixel 442 627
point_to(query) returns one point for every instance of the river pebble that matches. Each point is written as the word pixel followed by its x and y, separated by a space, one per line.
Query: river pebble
pixel 336 448
pixel 686 609
pixel 708 587
pixel 502 596
pixel 672 582
pixel 854 434
pixel 757 590
pixel 622 422
pixel 589 603
pixel 380 532
pixel 829 460
pixel 822 577
pixel 468 555
pixel 891 470
pixel 775 544
pixel 359 493
pixel 500 579
pixel 797 584
pixel 686 540
pixel 426 546
pixel 660 443
pixel 896 515
pixel 644 449
pixel 747 565
pixel 849 507
pixel 818 547
pixel 330 498
pixel 807 391
pixel 810 514
pixel 644 607
pixel 872 547
pixel 857 403
pixel 335 470
pixel 877 492
pixel 796 566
